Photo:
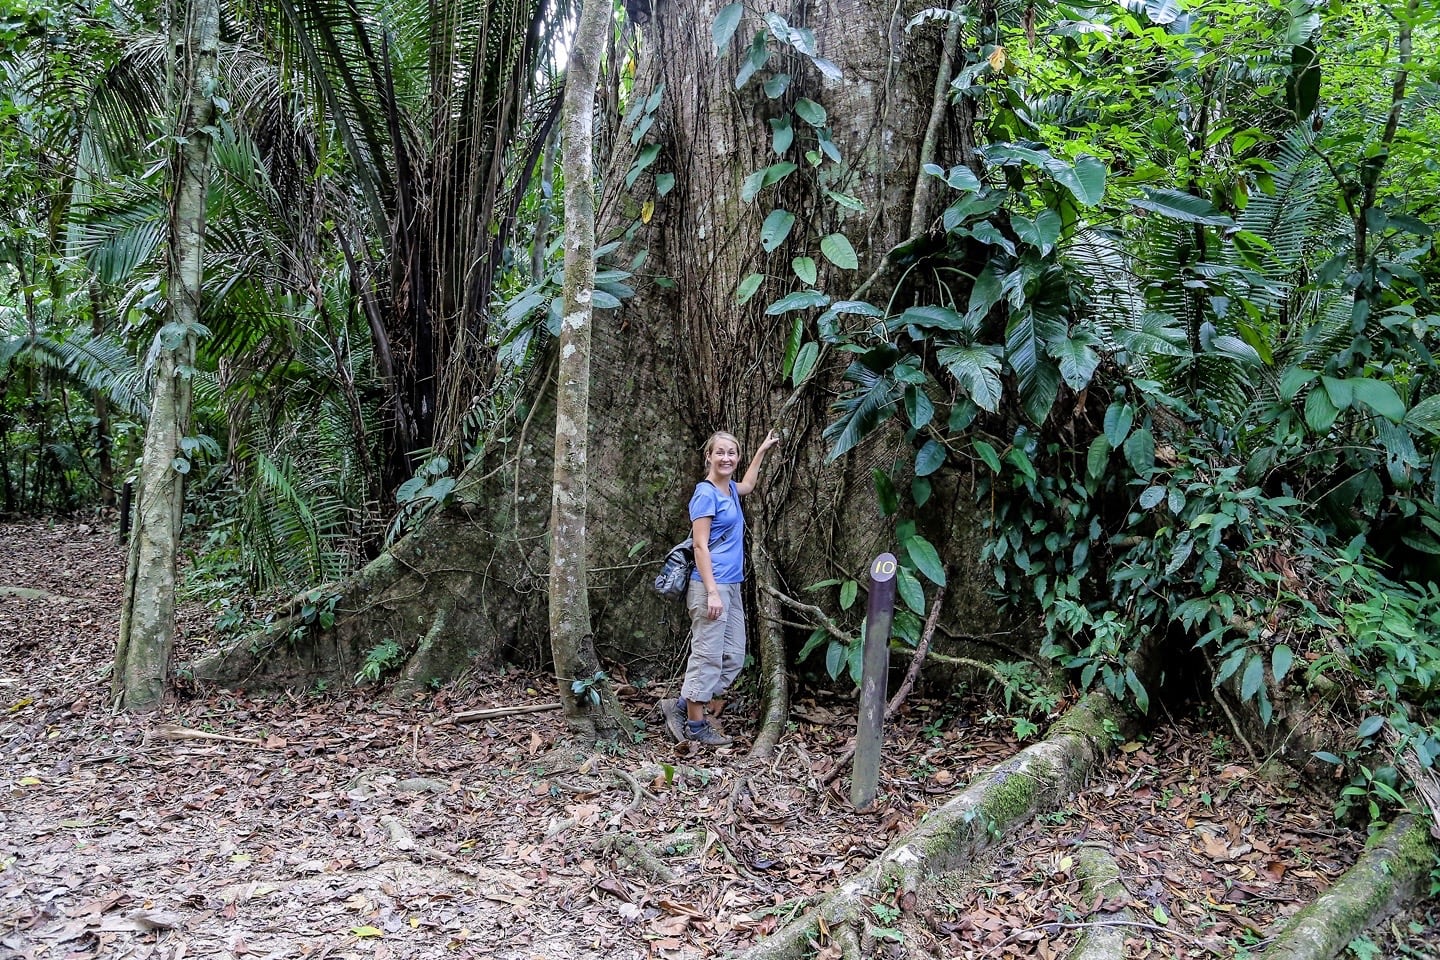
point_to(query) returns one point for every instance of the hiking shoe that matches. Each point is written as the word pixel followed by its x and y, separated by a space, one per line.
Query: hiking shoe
pixel 707 735
pixel 674 719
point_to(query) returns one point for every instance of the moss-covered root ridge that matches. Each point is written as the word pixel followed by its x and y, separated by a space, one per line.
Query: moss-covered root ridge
pixel 1104 935
pixel 1007 795
pixel 1391 871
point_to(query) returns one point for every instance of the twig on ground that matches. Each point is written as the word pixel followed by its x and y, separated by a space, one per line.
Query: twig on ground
pixel 167 731
pixel 489 713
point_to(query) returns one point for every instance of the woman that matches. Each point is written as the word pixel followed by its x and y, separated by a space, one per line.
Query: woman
pixel 717 614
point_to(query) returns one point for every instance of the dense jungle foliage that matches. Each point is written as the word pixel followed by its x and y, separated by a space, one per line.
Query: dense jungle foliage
pixel 1177 327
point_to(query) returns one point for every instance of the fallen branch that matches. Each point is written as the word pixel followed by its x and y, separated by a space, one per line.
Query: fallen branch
pixel 995 803
pixel 490 713
pixel 167 731
pixel 1389 874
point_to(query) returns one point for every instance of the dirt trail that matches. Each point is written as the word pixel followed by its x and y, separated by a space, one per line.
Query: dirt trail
pixel 337 824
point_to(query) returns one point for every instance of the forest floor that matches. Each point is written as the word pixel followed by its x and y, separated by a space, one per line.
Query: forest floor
pixel 343 824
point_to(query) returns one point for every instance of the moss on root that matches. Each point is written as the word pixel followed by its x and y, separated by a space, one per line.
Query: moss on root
pixel 1389 873
pixel 996 802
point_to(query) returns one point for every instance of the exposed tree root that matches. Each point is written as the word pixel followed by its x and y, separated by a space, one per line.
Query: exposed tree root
pixel 1386 877
pixel 1009 794
pixel 774 679
pixel 1100 878
pixel 638 856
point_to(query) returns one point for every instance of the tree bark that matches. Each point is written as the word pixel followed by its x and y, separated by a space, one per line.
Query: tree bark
pixel 585 695
pixel 682 358
pixel 147 619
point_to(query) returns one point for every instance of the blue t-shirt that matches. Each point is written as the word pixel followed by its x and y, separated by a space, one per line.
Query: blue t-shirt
pixel 727 530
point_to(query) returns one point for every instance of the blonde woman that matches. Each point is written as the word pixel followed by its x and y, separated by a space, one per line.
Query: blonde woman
pixel 717 612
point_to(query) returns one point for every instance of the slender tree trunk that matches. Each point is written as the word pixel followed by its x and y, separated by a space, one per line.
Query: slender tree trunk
pixel 105 468
pixel 584 694
pixel 147 618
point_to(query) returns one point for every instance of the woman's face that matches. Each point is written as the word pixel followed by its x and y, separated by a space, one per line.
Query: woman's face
pixel 723 458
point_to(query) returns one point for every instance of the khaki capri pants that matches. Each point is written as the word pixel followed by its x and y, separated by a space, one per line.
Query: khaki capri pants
pixel 717 647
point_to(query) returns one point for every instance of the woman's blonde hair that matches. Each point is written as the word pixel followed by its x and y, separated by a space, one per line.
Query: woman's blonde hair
pixel 721 435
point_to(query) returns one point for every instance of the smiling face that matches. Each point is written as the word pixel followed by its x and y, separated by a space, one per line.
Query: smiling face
pixel 722 457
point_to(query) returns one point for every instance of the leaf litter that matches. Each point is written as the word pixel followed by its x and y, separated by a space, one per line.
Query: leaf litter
pixel 349 825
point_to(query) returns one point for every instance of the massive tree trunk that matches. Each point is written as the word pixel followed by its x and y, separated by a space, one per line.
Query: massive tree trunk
pixel 147 618
pixel 682 358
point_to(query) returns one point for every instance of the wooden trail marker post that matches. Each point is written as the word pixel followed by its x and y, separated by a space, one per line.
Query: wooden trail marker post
pixel 875 671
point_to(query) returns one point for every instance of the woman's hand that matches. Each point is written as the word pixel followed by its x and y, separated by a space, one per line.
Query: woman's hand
pixel 714 607
pixel 771 439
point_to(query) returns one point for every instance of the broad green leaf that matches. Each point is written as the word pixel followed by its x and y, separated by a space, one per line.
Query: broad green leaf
pixel 835 656
pixel 805 362
pixel 912 593
pixel 1119 417
pixel 603 301
pixel 664 183
pixel 918 407
pixel 775 229
pixel 846 201
pixel 1152 496
pixel 1177 205
pixel 782 134
pixel 761 179
pixel 799 300
pixel 1340 392
pixel 1140 451
pixel 848 591
pixel 643 159
pixel 962 178
pixel 804 268
pixel 827 68
pixel 755 58
pixel 987 232
pixel 1320 413
pixel 792 345
pixel 938 318
pixel 1379 396
pixel 726 21
pixel 1281 659
pixel 748 286
pixel 987 453
pixel 1254 677
pixel 1425 415
pixel 1078 359
pixel 1293 380
pixel 925 559
pixel 1041 233
pixel 1369 727
pixel 810 111
pixel 1098 457
pixel 984 294
pixel 1085 180
pixel 929 459
pixel 838 251
pixel 977 369
pixel 776 86
pixel 1141 695
pixel 1026 348
pixel 920 490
